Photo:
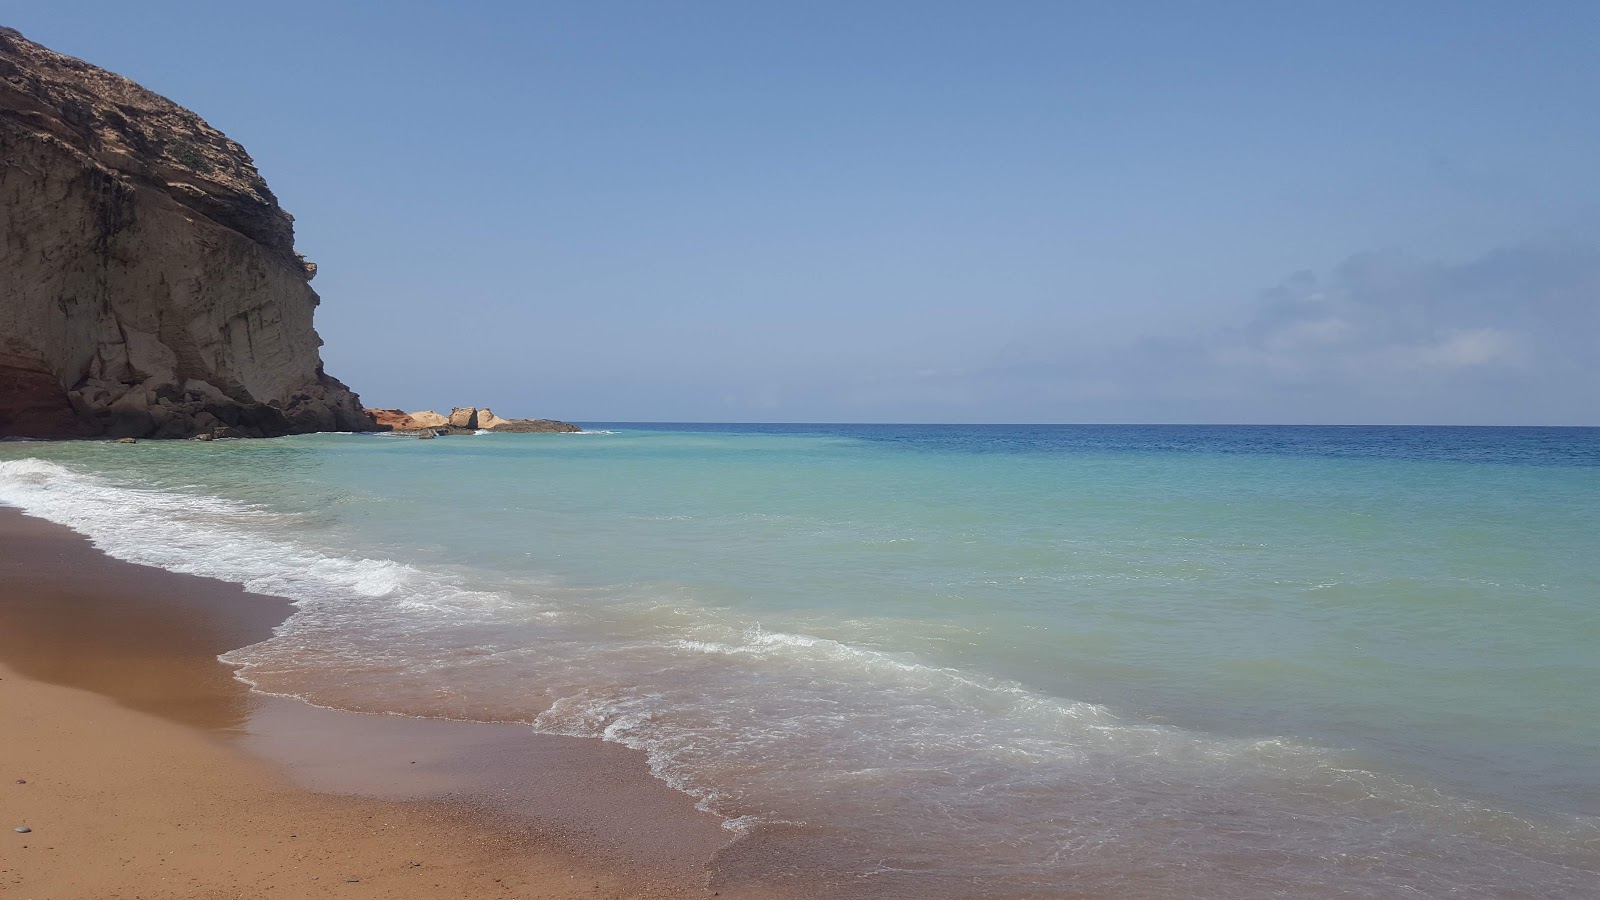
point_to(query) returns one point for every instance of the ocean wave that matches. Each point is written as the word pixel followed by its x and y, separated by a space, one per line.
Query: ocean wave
pixel 771 728
pixel 196 534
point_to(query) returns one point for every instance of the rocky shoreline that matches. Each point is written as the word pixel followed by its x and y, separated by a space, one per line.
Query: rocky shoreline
pixel 462 420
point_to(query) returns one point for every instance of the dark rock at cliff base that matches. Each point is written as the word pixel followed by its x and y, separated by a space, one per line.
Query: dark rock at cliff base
pixel 32 403
pixel 149 285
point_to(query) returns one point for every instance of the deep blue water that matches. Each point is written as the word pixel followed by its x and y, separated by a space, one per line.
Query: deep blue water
pixel 1532 446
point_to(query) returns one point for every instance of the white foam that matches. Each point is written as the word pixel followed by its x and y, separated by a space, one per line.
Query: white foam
pixel 760 725
pixel 202 535
pixel 217 538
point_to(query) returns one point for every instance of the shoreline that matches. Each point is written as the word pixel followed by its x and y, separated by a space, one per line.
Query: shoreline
pixel 158 774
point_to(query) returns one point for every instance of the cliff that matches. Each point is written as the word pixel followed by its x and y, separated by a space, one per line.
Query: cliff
pixel 148 280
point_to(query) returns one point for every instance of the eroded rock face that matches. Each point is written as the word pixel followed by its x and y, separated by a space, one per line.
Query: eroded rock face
pixel 487 419
pixel 149 285
pixel 394 420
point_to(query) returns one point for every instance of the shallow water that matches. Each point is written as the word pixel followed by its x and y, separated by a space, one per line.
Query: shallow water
pixel 957 660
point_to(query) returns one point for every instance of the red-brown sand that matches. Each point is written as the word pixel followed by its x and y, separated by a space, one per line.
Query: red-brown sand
pixel 145 770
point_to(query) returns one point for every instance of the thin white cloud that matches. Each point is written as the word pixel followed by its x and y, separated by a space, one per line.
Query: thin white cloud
pixel 1462 349
pixel 1511 336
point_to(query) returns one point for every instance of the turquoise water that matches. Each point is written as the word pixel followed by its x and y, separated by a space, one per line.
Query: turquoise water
pixel 957 661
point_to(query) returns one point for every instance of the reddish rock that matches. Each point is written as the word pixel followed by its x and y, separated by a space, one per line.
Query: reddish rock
pixel 394 419
pixel 33 403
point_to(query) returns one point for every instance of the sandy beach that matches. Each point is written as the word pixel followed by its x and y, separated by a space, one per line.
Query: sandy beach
pixel 144 770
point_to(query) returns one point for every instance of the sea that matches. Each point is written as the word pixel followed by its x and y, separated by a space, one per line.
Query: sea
pixel 950 661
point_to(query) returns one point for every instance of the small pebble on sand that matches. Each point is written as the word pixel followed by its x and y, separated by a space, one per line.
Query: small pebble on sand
pixel 22 829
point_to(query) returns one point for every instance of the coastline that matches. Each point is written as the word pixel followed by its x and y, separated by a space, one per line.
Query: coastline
pixel 157 774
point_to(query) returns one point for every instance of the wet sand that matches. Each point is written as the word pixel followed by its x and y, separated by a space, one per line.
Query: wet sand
pixel 151 772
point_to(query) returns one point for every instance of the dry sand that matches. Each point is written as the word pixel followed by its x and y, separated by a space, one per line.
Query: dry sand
pixel 151 773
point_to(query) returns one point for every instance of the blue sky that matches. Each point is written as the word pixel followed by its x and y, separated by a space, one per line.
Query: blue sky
pixel 964 212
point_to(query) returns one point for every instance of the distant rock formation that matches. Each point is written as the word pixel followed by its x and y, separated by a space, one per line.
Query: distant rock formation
pixel 462 420
pixel 488 420
pixel 149 285
pixel 399 420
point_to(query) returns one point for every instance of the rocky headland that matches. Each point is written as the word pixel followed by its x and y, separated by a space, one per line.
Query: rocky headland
pixel 462 420
pixel 149 285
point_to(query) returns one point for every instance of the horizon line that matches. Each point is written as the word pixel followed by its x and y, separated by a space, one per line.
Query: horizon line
pixel 1090 424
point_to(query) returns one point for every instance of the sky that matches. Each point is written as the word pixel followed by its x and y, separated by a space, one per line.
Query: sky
pixel 1321 212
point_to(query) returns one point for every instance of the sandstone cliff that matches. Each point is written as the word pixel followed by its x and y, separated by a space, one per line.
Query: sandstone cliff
pixel 148 280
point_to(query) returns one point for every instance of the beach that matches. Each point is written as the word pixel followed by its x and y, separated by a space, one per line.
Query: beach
pixel 973 452
pixel 144 769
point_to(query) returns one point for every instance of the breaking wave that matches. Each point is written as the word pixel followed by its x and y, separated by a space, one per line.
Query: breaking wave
pixel 863 761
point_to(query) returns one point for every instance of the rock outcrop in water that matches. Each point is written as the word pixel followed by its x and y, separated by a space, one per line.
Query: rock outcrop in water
pixel 464 420
pixel 149 284
pixel 400 420
pixel 488 421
